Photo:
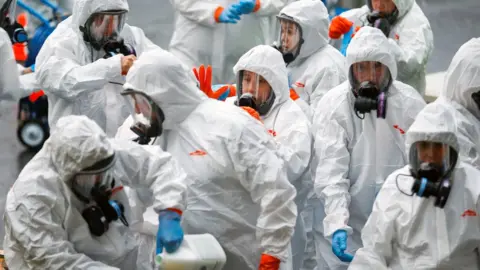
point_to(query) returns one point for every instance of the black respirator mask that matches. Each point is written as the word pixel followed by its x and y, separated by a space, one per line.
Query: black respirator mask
pixel 370 99
pixel 95 188
pixel 118 46
pixel 252 96
pixel 15 31
pixel 381 20
pixel 290 38
pixel 148 117
pixel 430 179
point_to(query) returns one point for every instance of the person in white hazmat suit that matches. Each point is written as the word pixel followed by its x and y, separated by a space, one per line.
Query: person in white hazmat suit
pixel 64 209
pixel 239 191
pixel 437 227
pixel 218 33
pixel 263 81
pixel 358 141
pixel 407 28
pixel 460 100
pixel 72 69
pixel 314 66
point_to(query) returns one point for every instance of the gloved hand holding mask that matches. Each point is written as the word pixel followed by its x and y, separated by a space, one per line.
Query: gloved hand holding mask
pixel 170 233
pixel 339 245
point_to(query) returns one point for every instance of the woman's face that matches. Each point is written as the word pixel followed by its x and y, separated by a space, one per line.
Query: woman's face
pixel 289 35
pixel 371 71
pixel 255 85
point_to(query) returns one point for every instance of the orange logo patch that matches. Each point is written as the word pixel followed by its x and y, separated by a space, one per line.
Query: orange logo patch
pixel 469 213
pixel 299 84
pixel 399 129
pixel 272 132
pixel 198 153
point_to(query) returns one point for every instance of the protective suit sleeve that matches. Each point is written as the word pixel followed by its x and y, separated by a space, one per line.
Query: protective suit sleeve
pixel 331 182
pixel 294 145
pixel 307 109
pixel 39 231
pixel 58 72
pixel 412 50
pixel 262 172
pixel 324 81
pixel 269 7
pixel 202 11
pixel 141 166
pixel 379 231
pixel 9 77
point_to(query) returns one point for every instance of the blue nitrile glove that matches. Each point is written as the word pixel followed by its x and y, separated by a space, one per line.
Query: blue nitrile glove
pixel 170 233
pixel 32 67
pixel 339 245
pixel 229 15
pixel 245 6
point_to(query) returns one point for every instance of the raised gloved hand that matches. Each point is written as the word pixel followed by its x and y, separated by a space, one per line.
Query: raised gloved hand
pixel 268 262
pixel 231 91
pixel 204 78
pixel 339 26
pixel 245 6
pixel 339 245
pixel 170 233
pixel 227 15
pixel 252 112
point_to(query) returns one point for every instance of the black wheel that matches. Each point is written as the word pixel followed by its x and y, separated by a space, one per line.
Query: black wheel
pixel 32 134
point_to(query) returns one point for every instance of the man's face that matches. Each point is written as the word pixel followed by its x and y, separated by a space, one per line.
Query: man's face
pixel 371 71
pixel 289 35
pixel 431 152
pixel 104 26
pixel 255 85
pixel 384 6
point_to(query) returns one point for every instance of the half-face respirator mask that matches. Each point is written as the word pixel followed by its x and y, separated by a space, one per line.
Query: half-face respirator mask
pixel 431 166
pixel 148 117
pixel 95 186
pixel 255 92
pixel 370 82
pixel 381 20
pixel 15 30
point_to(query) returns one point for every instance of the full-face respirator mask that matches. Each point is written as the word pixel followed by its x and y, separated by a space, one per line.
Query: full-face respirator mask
pixel 103 27
pixel 95 187
pixel 254 91
pixel 290 38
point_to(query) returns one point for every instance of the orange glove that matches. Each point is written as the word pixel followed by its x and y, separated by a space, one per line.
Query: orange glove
pixel 338 27
pixel 252 112
pixel 293 95
pixel 268 262
pixel 205 80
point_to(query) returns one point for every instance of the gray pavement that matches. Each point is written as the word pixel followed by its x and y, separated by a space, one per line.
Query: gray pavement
pixel 453 23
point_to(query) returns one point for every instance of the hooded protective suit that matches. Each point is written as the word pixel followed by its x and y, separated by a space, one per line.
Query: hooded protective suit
pixel 238 190
pixel 290 128
pixel 411 40
pixel 319 67
pixel 43 218
pixel 75 77
pixel 9 77
pixel 353 157
pixel 410 232
pixel 199 39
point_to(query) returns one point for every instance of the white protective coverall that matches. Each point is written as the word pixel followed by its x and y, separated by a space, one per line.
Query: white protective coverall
pixel 319 67
pixel 199 39
pixel 9 76
pixel 353 157
pixel 43 218
pixel 76 78
pixel 411 40
pixel 238 190
pixel 290 128
pixel 410 232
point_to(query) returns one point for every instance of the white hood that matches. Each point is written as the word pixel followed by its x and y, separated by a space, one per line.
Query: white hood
pixel 428 127
pixel 463 77
pixel 403 6
pixel 370 44
pixel 312 16
pixel 267 62
pixel 163 78
pixel 83 9
pixel 76 143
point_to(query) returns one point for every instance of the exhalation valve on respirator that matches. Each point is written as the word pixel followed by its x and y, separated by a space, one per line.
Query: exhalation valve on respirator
pixel 118 46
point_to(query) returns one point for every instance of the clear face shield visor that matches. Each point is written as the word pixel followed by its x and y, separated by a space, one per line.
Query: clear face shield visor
pixel 145 113
pixel 255 85
pixel 103 26
pixel 431 159
pixel 376 73
pixel 101 174
pixel 289 38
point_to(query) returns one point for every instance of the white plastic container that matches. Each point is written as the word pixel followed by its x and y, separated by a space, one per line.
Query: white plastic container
pixel 197 252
